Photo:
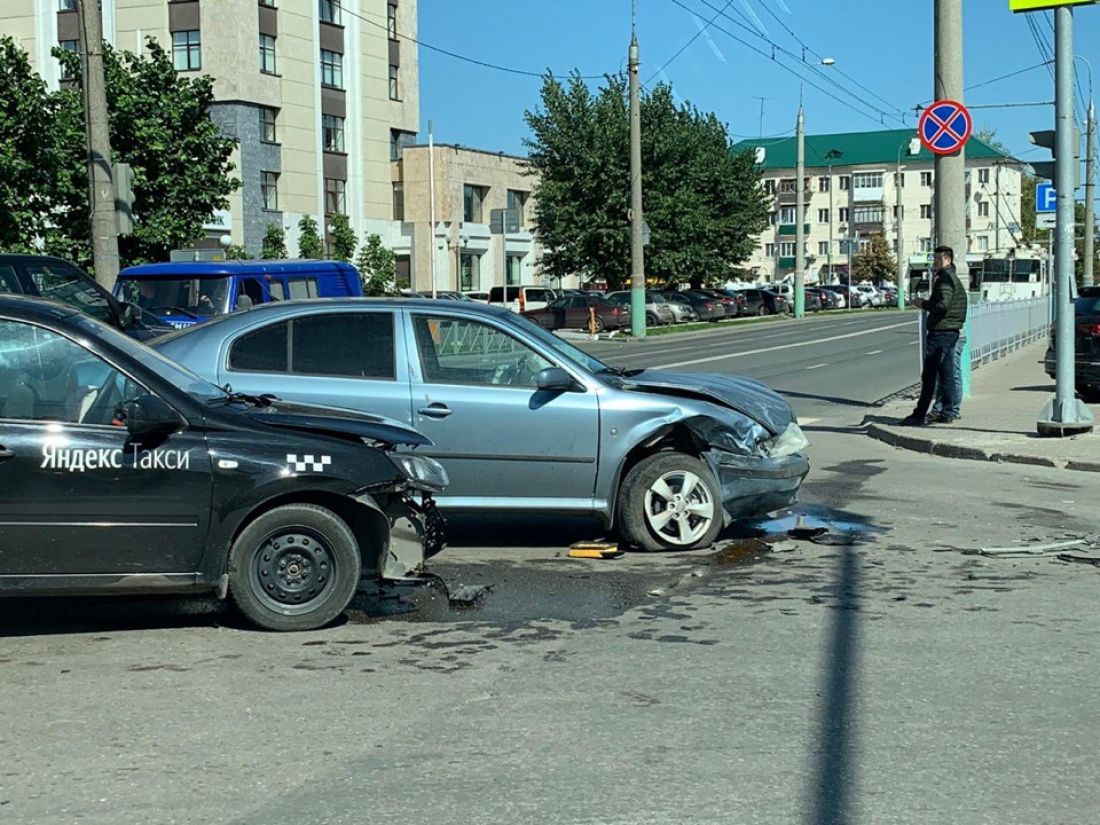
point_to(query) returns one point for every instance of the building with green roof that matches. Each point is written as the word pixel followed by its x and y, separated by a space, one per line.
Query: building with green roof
pixel 851 195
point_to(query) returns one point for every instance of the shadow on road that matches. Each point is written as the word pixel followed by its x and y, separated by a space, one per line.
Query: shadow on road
pixel 830 797
pixel 831 399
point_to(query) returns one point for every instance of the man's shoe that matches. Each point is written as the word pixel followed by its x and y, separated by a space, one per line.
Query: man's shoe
pixel 912 421
pixel 946 419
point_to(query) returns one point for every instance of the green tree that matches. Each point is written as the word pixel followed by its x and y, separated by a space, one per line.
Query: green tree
pixel 310 244
pixel 703 203
pixel 1028 233
pixel 344 240
pixel 876 263
pixel 31 164
pixel 377 268
pixel 237 252
pixel 274 243
pixel 160 124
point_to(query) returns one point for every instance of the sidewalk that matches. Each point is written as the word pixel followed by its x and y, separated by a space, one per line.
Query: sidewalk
pixel 998 421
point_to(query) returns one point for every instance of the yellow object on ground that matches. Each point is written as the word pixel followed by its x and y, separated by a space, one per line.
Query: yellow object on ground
pixel 594 550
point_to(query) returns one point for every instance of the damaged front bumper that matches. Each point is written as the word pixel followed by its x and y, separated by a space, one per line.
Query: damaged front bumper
pixel 751 486
pixel 416 534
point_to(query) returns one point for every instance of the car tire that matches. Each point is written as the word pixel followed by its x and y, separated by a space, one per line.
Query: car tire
pixel 599 325
pixel 652 320
pixel 762 311
pixel 644 498
pixel 295 567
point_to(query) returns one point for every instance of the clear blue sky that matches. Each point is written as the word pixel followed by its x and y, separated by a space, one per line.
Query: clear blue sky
pixel 885 45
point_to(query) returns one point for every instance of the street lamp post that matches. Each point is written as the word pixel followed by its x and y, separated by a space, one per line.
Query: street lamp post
pixel 910 147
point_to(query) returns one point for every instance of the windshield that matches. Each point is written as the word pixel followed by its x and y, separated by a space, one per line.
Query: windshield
pixel 177 296
pixel 577 356
pixel 198 388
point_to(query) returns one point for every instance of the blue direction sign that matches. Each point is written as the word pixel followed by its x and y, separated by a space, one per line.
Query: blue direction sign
pixel 944 127
pixel 1046 199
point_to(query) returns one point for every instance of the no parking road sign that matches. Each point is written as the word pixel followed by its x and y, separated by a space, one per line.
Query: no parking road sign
pixel 944 127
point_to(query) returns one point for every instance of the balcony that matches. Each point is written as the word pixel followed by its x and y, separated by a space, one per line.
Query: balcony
pixel 788 196
pixel 868 194
pixel 791 229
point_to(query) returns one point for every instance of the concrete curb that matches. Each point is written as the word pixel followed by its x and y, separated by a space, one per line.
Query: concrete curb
pixel 933 447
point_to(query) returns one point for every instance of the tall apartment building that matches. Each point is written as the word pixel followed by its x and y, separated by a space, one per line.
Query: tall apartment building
pixel 851 190
pixel 321 94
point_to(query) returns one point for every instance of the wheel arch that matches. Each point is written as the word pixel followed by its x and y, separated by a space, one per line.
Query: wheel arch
pixel 676 436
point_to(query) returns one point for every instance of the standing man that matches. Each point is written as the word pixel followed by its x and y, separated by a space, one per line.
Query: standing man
pixel 945 310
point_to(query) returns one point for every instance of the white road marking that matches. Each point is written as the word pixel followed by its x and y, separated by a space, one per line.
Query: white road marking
pixel 812 343
pixel 817 366
pixel 808 421
pixel 875 352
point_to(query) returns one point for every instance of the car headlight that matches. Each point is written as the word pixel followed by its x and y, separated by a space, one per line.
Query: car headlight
pixel 422 472
pixel 792 440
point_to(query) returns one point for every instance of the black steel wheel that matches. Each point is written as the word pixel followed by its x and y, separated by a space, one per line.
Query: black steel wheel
pixel 294 568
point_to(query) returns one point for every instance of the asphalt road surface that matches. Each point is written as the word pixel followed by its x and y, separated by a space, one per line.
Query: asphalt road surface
pixel 897 678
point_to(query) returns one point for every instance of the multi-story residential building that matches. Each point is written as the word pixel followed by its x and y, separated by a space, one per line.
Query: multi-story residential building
pixel 470 253
pixel 850 195
pixel 320 94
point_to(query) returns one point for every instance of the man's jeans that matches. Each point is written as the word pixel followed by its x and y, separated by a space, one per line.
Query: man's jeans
pixel 939 370
pixel 949 394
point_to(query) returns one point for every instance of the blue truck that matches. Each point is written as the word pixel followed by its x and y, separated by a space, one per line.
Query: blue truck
pixel 183 293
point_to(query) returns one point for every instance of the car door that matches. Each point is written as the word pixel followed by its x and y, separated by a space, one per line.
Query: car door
pixel 351 359
pixel 78 497
pixel 500 438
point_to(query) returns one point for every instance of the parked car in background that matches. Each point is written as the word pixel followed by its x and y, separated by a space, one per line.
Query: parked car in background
pixel 479 297
pixel 574 312
pixel 871 295
pixel 852 297
pixel 521 298
pixel 657 310
pixel 182 293
pixel 1086 322
pixel 730 305
pixel 44 276
pixel 706 307
pixel 828 298
pixel 450 295
pixel 763 302
pixel 682 311
pixel 519 418
pixel 737 297
pixel 811 301
pixel 124 473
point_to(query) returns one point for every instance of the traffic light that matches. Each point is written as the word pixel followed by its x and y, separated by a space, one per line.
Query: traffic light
pixel 1045 168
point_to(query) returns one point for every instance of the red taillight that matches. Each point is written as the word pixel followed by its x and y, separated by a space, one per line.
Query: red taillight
pixel 617 311
pixel 1089 329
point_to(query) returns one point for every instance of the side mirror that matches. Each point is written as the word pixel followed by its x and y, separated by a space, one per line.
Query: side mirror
pixel 556 379
pixel 243 302
pixel 148 417
pixel 131 315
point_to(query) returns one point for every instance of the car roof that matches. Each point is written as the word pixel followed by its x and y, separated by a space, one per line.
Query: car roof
pixel 174 269
pixel 13 257
pixel 33 308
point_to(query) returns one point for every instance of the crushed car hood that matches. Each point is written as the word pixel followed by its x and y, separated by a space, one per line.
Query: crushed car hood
pixel 337 422
pixel 748 397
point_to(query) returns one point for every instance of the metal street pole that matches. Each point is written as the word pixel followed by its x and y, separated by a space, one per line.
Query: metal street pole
pixel 830 223
pixel 431 207
pixel 101 191
pixel 903 262
pixel 1064 414
pixel 637 247
pixel 800 218
pixel 1090 204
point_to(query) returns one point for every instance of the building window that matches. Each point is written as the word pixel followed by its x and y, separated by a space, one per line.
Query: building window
pixel 844 214
pixel 786 214
pixel 983 243
pixel 769 186
pixel 822 215
pixel 925 244
pixel 66 5
pixel 983 176
pixel 469 271
pixel 787 186
pixel 769 250
pixel 186 51
pixel 926 211
pixel 845 183
pixel 391 20
pixel 269 3
pixel 771 218
pixel 399 201
pixel 867 214
pixel 925 178
pixel 402 265
pixel 335 202
pixel 68 46
pixel 267 124
pixel 786 249
pixel 332 69
pixel 332 128
pixel 398 141
pixel 331 12
pixel 269 190
pixel 896 212
pixel 822 247
pixel 867 180
pixel 472 199
pixel 517 201
pixel 823 184
pixel 513 271
pixel 267 54
pixel 983 209
pixel 394 88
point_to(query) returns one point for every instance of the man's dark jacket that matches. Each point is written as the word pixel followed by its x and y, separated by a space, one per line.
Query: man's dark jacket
pixel 946 306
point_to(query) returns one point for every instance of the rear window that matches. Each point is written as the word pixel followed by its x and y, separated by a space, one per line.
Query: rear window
pixel 303 288
pixel 540 295
pixel 1087 306
pixel 264 350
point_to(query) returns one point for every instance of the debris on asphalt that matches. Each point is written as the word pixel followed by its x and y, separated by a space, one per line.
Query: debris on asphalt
pixel 595 550
pixel 468 595
pixel 737 552
pixel 1029 550
pixel 1093 560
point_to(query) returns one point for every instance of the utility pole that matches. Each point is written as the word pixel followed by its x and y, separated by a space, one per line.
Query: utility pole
pixel 1064 414
pixel 950 170
pixel 431 206
pixel 903 261
pixel 761 127
pixel 101 191
pixel 1090 205
pixel 800 218
pixel 637 247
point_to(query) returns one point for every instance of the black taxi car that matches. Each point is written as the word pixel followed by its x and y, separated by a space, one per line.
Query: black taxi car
pixel 122 472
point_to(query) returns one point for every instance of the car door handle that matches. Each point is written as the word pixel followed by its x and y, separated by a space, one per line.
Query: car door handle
pixel 435 411
pixel 5 454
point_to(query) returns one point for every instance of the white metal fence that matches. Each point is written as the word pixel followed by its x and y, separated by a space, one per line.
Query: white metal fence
pixel 997 327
